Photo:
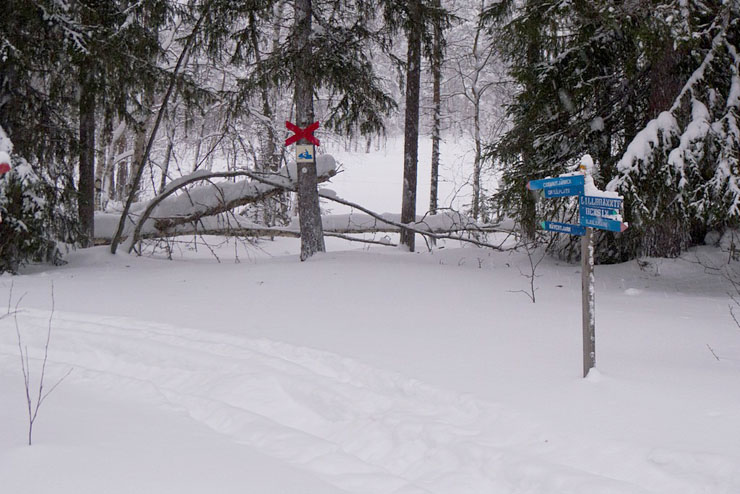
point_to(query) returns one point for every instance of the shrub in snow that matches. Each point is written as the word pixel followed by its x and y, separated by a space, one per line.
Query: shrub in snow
pixel 37 214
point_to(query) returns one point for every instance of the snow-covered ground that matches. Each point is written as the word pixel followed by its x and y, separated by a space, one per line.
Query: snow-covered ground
pixel 370 371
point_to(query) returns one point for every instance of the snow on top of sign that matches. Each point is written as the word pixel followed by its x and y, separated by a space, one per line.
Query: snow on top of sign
pixel 589 188
pixel 587 164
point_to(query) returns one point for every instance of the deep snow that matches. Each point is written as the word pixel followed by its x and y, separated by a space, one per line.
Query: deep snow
pixel 372 371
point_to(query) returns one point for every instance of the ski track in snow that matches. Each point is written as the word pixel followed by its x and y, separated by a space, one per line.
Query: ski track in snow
pixel 362 429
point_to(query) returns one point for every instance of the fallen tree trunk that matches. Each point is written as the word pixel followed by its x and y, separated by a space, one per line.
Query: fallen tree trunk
pixel 201 210
pixel 214 199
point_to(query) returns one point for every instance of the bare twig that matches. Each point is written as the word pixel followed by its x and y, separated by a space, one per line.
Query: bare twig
pixel 32 405
pixel 533 264
pixel 712 350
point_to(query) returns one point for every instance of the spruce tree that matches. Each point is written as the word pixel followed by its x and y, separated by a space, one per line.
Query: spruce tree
pixel 592 75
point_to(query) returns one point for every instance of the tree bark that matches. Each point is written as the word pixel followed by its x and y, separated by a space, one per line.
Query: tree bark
pixel 437 118
pixel 141 137
pixel 268 140
pixel 478 152
pixel 167 156
pixel 309 212
pixel 411 123
pixel 86 187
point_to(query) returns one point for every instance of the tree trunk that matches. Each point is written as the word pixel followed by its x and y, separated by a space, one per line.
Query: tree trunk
pixel 411 123
pixel 309 212
pixel 478 158
pixel 167 157
pixel 86 198
pixel 121 179
pixel 437 118
pixel 268 141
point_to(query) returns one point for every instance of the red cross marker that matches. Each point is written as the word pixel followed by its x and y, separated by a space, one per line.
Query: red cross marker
pixel 300 133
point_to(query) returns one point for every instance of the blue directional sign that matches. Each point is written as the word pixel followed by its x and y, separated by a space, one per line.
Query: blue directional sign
pixel 598 212
pixel 600 202
pixel 563 191
pixel 554 226
pixel 602 223
pixel 545 183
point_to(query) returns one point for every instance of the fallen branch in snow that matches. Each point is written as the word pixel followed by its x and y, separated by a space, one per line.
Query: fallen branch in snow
pixel 712 350
pixel 198 211
pixel 362 240
pixel 246 193
pixel 236 227
pixel 423 227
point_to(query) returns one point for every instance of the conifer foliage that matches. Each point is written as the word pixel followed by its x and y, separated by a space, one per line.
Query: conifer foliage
pixel 681 173
pixel 35 206
pixel 647 88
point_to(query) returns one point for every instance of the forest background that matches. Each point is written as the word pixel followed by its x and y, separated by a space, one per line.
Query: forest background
pixel 108 105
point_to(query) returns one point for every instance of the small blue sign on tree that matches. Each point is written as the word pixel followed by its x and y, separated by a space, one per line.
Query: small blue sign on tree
pixel 304 153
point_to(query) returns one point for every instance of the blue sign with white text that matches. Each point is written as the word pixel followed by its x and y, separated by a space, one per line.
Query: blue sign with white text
pixel 554 226
pixel 598 212
pixel 563 191
pixel 600 202
pixel 556 182
pixel 602 223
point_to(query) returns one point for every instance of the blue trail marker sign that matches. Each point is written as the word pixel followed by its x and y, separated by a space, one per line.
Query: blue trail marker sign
pixel 563 181
pixel 554 226
pixel 601 212
pixel 598 212
pixel 602 223
pixel 600 202
pixel 563 191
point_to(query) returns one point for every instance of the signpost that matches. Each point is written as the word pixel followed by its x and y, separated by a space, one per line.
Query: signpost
pixel 595 211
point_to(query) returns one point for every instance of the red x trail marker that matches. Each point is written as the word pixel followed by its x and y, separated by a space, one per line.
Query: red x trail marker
pixel 300 133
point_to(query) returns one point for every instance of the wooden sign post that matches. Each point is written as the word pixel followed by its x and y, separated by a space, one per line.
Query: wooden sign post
pixel 588 301
pixel 597 209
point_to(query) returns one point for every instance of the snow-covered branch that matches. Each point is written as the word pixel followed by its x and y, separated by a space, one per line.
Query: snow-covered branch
pixel 165 212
